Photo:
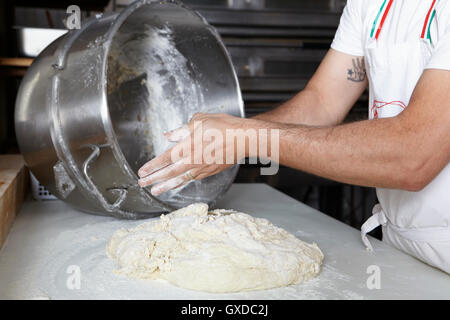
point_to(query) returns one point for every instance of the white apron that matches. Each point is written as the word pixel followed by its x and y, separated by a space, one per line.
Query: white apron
pixel 417 223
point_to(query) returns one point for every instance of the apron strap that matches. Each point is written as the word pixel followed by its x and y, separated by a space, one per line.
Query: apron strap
pixel 378 218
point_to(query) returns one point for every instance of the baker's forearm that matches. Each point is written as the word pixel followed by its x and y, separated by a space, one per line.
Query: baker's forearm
pixel 404 152
pixel 382 153
pixel 305 108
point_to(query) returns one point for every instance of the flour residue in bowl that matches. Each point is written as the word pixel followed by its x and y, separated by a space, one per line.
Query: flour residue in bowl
pixel 172 93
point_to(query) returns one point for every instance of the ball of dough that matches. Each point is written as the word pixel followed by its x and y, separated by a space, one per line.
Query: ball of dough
pixel 214 251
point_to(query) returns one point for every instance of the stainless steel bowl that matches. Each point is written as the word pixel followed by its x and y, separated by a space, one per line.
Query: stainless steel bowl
pixel 92 108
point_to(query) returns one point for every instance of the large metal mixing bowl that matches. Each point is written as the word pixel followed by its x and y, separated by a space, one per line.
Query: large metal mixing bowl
pixel 93 106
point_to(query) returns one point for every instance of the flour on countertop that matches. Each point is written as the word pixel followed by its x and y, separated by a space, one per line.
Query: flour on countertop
pixel 44 274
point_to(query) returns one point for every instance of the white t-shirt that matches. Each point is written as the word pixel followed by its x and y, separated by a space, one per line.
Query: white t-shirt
pixel 404 22
pixel 416 222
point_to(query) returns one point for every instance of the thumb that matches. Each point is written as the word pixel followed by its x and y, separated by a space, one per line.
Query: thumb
pixel 178 134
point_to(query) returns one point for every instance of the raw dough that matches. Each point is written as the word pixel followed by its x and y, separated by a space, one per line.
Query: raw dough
pixel 216 251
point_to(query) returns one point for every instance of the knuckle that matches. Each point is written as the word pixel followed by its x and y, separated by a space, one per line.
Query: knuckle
pixel 196 116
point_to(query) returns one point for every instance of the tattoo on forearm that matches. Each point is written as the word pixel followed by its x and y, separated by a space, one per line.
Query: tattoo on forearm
pixel 358 71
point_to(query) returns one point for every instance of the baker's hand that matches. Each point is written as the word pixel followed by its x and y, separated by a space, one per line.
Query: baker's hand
pixel 202 150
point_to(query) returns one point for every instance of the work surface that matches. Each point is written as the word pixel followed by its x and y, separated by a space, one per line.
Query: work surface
pixel 52 245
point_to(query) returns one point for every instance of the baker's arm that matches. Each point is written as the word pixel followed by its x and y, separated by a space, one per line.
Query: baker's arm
pixel 326 100
pixel 332 91
pixel 405 152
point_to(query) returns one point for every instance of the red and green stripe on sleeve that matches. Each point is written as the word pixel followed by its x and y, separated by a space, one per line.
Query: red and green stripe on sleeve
pixel 380 18
pixel 426 34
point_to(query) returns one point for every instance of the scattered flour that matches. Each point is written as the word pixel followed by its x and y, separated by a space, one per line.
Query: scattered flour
pixel 35 261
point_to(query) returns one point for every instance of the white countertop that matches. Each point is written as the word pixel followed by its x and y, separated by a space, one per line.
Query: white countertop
pixel 50 242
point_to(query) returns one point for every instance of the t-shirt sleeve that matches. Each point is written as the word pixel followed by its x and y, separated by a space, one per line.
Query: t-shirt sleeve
pixel 440 57
pixel 348 37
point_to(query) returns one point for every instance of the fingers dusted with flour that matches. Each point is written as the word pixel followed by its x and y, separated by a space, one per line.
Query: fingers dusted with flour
pixel 154 165
pixel 200 151
pixel 178 134
pixel 173 183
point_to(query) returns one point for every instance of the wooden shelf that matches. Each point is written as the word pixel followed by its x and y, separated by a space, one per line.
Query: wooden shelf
pixel 15 62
